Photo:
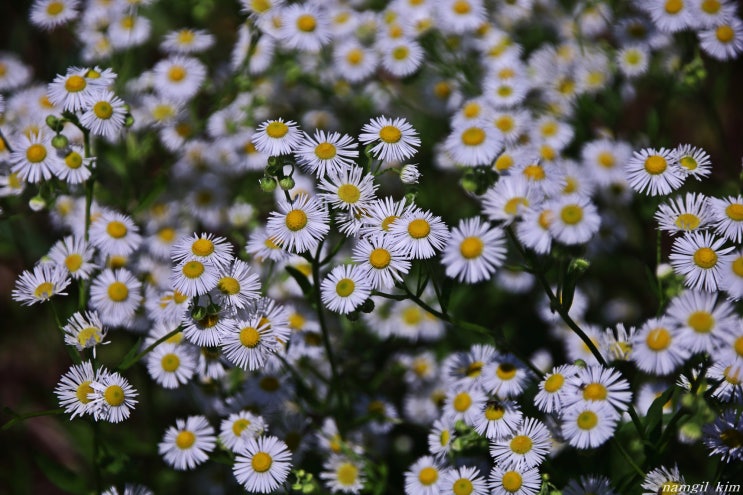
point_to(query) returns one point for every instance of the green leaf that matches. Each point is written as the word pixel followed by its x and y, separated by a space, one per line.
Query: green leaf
pixel 60 476
pixel 654 417
pixel 131 356
pixel 301 279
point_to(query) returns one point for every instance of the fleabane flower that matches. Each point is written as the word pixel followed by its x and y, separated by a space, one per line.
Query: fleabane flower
pixel 474 251
pixel 474 143
pixel 350 190
pixel 104 115
pixel 49 14
pixel 345 288
pixel 45 281
pixel 263 464
pixel 188 443
pixel 699 257
pixel 276 137
pixel 653 172
pixel 326 153
pixel 575 219
pixel 33 158
pixel 588 425
pixel 393 139
pixel 112 397
pixel 419 233
pixel 299 226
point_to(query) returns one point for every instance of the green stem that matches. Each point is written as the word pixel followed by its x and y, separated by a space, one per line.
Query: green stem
pixel 125 365
pixel 627 457
pixel 321 320
pixel 17 418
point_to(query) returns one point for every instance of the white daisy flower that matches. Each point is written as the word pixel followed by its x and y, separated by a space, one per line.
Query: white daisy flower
pixel 187 40
pixel 349 190
pixel 598 384
pixel 550 396
pixel 663 480
pixel 84 330
pixel 670 16
pixel 276 137
pixel 343 474
pixel 463 480
pixel 115 234
pixel 300 225
pixel 475 143
pixel 732 276
pixel 724 41
pixel 699 257
pixel 656 348
pixel 193 277
pixel 45 281
pixel 72 89
pixel 575 220
pixel 505 376
pixel 249 343
pixel 704 323
pixel 460 16
pixel 396 140
pixel 204 247
pixel 188 443
pixel 419 233
pixel 326 153
pixel 345 288
pixel 239 427
pixel 304 27
pixel 112 398
pixel 693 161
pixel 424 477
pixel 207 330
pixel 33 158
pixel 498 419
pixel 74 168
pixel 533 231
pixel 49 14
pixel 178 77
pixel 474 251
pixel 633 60
pixel 464 404
pixel 73 389
pixel 526 446
pixel 684 214
pixel 172 365
pixel 727 217
pixel 104 115
pixel 653 172
pixel 514 480
pixel 75 255
pixel 384 262
pixel 263 464
pixel 508 198
pixel 116 295
pixel 353 61
pixel 400 57
pixel 237 286
pixel 588 425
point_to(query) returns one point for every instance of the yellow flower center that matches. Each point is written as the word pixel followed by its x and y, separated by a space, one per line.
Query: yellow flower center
pixel 276 129
pixel 606 159
pixel 380 258
pixel 347 474
pixel 503 162
pixel 732 374
pixel 504 91
pixel 249 337
pixel 239 426
pixel 701 321
pixel 228 286
pixel 688 162
pixel 388 221
pixel 687 221
pixel 170 362
pixel 461 7
pixel 296 321
pixel 549 129
pixel 345 287
pixel 505 123
pixel 506 371
pixel 658 339
pixel 473 136
pixel 306 23
pixel 534 172
pixel 462 486
pixel 442 90
pixel 674 6
pixel 738 266
pixel 547 152
pixel 512 481
pixel 82 392
pixel 462 401
pixel 260 6
pixel 177 73
pixel 738 346
pixel 118 291
pixel 186 37
pixel 73 262
pixel 193 269
pixel 594 391
pixel 734 211
pixel 36 153
pixel 571 214
pixel 521 444
pixel 494 412
pixel 88 334
pixel 711 6
pixel 73 160
pixel 202 247
pixel 512 205
pixel 444 437
pixel 725 33
pixel 261 462
pixel 428 475
pixel 471 110
pixel 705 258
pixel 185 439
pixel 103 110
pixel 166 234
pixel 418 228
pixel 390 134
pixel 54 8
pixel 400 53
pixel 474 369
pixel 587 420
pixel 471 247
pixel 116 229
pixel 554 383
pixel 75 83
pixel 325 151
pixel 412 316
pixel 655 165
pixel 349 193
pixel 296 220
pixel 114 395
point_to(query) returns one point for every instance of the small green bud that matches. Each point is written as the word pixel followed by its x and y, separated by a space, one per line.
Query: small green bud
pixel 37 203
pixel 367 306
pixel 580 363
pixel 287 183
pixel 198 313
pixel 60 141
pixel 469 184
pixel 268 184
pixel 410 197
pixel 690 432
pixel 128 120
pixel 579 265
pixel 53 123
pixel 687 401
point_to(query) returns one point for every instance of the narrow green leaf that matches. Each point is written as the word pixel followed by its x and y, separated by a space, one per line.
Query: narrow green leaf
pixel 301 279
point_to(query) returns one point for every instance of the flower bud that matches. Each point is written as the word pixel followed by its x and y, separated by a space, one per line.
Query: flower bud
pixel 287 183
pixel 37 203
pixel 60 141
pixel 268 184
